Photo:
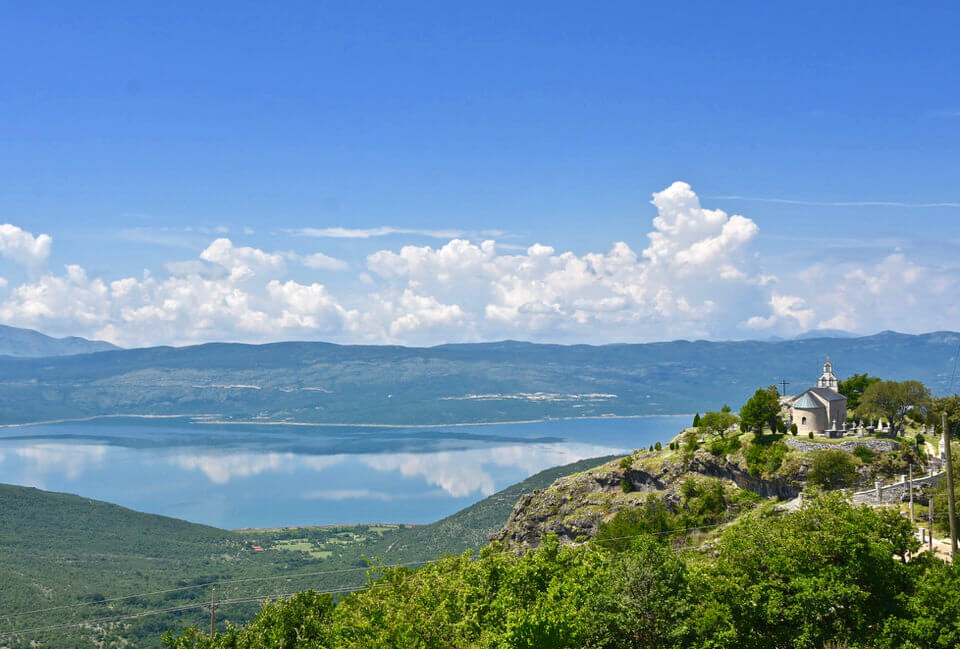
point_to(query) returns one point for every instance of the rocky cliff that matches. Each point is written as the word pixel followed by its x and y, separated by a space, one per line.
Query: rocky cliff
pixel 576 505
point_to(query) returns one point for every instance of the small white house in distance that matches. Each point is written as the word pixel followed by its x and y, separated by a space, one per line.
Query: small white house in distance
pixel 821 410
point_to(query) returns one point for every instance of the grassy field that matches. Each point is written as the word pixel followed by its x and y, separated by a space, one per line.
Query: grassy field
pixel 66 559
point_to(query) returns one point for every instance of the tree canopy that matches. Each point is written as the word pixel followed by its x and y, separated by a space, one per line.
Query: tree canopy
pixel 714 422
pixel 832 469
pixel 894 399
pixel 853 387
pixel 830 574
pixel 950 405
pixel 762 409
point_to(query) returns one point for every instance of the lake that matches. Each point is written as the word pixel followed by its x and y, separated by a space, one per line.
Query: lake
pixel 259 475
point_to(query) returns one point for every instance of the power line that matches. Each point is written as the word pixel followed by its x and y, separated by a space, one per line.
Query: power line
pixel 347 589
pixel 953 375
pixel 203 585
pixel 173 609
pixel 280 577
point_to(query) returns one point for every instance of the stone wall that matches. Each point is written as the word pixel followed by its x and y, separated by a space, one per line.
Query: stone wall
pixel 876 445
pixel 893 493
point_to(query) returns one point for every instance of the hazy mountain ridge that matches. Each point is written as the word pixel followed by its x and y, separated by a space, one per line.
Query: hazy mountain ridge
pixel 479 382
pixel 27 343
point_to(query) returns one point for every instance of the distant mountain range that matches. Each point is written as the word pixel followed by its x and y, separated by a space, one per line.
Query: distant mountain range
pixel 825 333
pixel 483 382
pixel 27 343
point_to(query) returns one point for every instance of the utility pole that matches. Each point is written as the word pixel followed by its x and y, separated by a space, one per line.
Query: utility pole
pixel 213 603
pixel 911 496
pixel 783 387
pixel 951 505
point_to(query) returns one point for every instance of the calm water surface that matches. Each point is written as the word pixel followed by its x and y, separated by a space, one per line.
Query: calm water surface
pixel 236 475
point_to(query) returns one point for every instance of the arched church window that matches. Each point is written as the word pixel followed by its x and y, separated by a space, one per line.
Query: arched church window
pixel 803 420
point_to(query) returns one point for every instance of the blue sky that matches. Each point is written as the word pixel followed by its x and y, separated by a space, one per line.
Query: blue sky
pixel 136 137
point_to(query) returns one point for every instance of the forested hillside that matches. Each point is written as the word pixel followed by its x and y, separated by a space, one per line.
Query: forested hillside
pixel 829 575
pixel 318 382
pixel 66 557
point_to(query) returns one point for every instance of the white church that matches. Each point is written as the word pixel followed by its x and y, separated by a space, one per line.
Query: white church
pixel 820 410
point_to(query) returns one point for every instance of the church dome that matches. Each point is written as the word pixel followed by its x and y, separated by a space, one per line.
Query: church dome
pixel 806 402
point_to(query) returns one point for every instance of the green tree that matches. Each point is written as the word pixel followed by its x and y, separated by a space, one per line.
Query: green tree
pixel 691 443
pixel 832 469
pixel 696 420
pixel 893 399
pixel 938 493
pixel 932 616
pixel 830 572
pixel 853 386
pixel 950 405
pixel 762 409
pixel 714 423
pixel 295 623
pixel 647 601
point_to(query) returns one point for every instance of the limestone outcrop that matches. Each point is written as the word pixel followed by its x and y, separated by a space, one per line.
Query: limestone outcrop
pixel 575 506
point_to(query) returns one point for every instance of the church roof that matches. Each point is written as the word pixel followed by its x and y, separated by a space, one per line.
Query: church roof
pixel 807 402
pixel 828 394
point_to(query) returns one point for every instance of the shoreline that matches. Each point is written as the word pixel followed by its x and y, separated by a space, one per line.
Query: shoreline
pixel 205 419
pixel 323 527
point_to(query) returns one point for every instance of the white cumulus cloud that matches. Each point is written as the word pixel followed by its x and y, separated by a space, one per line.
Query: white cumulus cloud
pixel 320 261
pixel 21 246
pixel 695 275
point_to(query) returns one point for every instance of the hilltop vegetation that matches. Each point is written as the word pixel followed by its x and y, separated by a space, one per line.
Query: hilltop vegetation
pixel 319 382
pixel 701 479
pixel 827 575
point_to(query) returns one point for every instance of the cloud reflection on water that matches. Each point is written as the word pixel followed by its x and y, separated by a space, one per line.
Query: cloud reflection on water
pixel 457 473
pixel 349 494
pixel 239 477
pixel 71 460
pixel 461 473
pixel 221 468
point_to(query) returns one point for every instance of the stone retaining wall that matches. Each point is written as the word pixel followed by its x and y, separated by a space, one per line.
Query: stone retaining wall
pixel 892 493
pixel 876 445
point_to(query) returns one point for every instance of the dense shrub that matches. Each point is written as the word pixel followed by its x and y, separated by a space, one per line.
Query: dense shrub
pixel 832 469
pixel 764 455
pixel 722 446
pixel 704 502
pixel 865 454
pixel 830 574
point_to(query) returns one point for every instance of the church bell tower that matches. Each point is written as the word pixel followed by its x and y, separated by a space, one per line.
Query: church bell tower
pixel 828 379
